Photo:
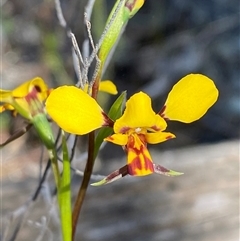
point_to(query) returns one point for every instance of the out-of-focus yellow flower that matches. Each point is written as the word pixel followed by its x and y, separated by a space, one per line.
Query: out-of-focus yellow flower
pixel 78 113
pixel 26 99
pixel 105 86
pixel 108 87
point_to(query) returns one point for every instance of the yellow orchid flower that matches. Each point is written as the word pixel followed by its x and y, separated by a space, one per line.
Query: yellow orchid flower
pixel 26 99
pixel 138 126
pixel 78 113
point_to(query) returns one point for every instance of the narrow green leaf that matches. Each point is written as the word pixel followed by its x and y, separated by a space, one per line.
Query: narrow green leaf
pixel 116 22
pixel 117 108
pixel 65 195
pixel 114 113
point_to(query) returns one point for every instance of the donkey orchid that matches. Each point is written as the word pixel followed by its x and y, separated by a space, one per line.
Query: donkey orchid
pixel 78 113
pixel 26 99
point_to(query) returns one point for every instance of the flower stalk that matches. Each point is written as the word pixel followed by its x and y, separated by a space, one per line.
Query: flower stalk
pixel 85 182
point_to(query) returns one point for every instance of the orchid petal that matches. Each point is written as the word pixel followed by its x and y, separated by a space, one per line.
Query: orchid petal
pixel 26 99
pixel 123 171
pixel 139 163
pixel 22 90
pixel 118 139
pixel 104 86
pixel 6 107
pixel 17 98
pixel 138 157
pixel 158 169
pixel 41 88
pixel 190 98
pixel 157 137
pixel 139 113
pixel 74 110
pixel 6 96
pixel 108 87
pixel 25 88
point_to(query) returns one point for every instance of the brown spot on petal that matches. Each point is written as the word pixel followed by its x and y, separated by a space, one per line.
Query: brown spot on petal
pixel 110 138
pixel 124 129
pixel 162 110
pixel 38 88
pixel 107 121
pixel 123 171
pixel 161 113
pixel 161 168
pixel 155 128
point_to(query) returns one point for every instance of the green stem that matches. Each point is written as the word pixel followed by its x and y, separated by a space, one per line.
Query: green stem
pixel 54 164
pixel 85 182
pixel 63 191
pixel 64 196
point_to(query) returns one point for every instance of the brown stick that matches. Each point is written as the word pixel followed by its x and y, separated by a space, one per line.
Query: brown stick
pixel 84 185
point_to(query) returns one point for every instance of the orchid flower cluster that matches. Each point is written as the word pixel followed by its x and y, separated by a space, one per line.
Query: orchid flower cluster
pixel 76 112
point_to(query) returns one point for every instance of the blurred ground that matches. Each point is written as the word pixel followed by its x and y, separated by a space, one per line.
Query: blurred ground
pixel 201 205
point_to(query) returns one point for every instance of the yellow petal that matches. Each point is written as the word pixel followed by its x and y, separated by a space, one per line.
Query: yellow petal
pixel 74 110
pixel 118 139
pixel 108 86
pixel 157 137
pixel 6 96
pixel 105 86
pixel 19 104
pixel 190 98
pixel 6 107
pixel 26 87
pixel 139 114
pixel 20 91
pixel 40 86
